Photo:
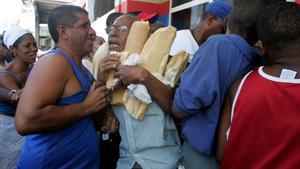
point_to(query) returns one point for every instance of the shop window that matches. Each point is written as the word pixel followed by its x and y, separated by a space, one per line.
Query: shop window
pixel 187 18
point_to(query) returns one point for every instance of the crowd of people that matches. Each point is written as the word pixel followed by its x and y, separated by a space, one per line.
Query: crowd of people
pixel 234 107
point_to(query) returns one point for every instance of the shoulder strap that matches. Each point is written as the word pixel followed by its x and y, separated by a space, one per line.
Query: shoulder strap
pixel 19 81
pixel 84 82
pixel 235 100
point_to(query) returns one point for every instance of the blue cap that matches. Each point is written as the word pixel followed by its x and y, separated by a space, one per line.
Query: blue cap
pixel 219 8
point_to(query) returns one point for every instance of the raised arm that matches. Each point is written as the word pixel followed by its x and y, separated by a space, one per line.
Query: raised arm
pixel 52 78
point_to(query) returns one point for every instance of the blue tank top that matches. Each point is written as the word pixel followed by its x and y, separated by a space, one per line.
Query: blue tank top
pixel 73 147
pixel 6 107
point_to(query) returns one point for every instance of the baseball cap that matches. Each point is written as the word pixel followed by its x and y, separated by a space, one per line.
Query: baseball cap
pixel 152 17
pixel 219 8
pixel 136 13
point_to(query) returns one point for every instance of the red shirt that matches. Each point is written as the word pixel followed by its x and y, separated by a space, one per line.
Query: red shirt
pixel 265 131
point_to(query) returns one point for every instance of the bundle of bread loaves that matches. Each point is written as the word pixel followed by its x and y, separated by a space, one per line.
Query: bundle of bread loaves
pixel 154 55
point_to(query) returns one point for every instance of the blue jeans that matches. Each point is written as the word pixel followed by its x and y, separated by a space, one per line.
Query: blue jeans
pixel 10 142
pixel 194 160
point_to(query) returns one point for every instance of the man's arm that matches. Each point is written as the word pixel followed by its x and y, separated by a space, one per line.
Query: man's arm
pixel 106 119
pixel 225 119
pixel 51 79
pixel 178 115
pixel 138 75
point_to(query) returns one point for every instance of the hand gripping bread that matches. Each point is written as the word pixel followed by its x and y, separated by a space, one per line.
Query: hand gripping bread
pixel 154 57
pixel 136 39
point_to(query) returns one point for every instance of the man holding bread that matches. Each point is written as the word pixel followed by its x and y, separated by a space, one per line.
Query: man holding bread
pixel 152 142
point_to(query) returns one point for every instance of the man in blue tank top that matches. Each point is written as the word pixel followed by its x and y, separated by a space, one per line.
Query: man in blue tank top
pixel 59 98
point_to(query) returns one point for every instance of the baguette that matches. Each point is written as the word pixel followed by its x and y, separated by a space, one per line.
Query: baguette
pixel 175 67
pixel 136 39
pixel 154 57
pixel 101 53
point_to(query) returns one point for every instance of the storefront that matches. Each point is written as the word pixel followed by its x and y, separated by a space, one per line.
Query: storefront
pixel 182 14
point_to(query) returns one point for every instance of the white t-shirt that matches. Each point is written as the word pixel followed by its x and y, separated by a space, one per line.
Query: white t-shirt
pixel 184 40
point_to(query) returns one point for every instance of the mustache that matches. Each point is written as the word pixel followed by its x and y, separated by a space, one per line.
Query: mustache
pixel 112 40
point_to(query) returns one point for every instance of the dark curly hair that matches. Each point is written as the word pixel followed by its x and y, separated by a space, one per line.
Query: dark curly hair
pixel 243 16
pixel 279 25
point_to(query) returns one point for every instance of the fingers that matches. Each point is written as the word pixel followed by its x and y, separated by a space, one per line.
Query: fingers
pixel 102 94
pixel 108 60
pixel 112 124
pixel 96 99
pixel 99 83
pixel 108 67
pixel 129 74
pixel 93 87
pixel 101 104
pixel 108 123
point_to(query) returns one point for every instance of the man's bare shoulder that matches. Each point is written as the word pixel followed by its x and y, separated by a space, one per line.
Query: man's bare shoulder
pixel 52 58
pixel 53 62
pixel 51 67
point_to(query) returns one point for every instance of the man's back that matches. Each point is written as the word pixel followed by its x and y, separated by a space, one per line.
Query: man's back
pixel 203 93
pixel 264 115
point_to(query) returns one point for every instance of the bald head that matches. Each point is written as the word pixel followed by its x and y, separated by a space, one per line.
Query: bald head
pixel 130 17
pixel 119 32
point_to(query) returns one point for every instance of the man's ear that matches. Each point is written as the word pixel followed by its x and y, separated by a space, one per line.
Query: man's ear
pixel 62 32
pixel 263 50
